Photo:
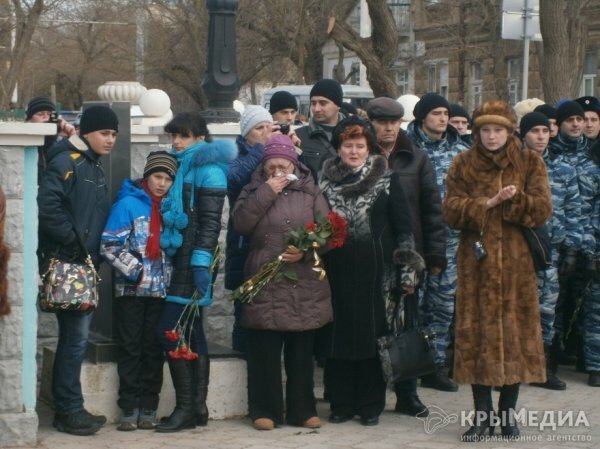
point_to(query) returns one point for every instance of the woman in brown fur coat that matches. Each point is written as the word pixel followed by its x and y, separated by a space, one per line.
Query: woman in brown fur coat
pixel 493 190
pixel 4 254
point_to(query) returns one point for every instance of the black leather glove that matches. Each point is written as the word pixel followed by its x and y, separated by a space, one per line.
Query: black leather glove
pixel 568 262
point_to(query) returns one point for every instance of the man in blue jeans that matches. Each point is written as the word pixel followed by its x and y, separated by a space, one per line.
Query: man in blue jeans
pixel 73 206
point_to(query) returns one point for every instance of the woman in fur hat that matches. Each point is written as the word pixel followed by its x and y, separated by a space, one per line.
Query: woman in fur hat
pixel 493 190
pixel 362 273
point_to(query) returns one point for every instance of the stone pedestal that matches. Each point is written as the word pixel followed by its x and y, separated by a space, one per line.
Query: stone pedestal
pixel 227 390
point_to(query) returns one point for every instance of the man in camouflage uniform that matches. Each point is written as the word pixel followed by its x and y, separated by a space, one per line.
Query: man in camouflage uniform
pixel 591 126
pixel 431 133
pixel 588 172
pixel 571 144
pixel 563 228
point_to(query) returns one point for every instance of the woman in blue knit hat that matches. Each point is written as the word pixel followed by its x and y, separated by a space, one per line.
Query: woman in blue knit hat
pixel 191 215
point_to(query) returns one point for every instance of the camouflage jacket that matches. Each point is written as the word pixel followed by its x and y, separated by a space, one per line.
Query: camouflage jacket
pixel 565 224
pixel 588 175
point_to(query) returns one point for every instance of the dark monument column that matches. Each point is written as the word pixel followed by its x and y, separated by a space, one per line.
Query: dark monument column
pixel 221 83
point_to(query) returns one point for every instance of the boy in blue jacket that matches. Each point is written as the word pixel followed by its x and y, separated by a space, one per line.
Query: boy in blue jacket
pixel 131 245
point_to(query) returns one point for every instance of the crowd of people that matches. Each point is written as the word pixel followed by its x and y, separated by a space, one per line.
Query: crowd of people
pixel 435 213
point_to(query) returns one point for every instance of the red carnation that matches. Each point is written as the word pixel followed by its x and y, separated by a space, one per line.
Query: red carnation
pixel 172 335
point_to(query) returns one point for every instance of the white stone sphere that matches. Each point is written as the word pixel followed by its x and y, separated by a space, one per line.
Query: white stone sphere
pixel 238 106
pixel 408 102
pixel 155 103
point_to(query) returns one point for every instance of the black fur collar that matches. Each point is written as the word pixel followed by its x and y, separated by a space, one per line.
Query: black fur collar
pixel 336 172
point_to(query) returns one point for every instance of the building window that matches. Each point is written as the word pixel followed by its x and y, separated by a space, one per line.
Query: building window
pixel 514 80
pixel 476 85
pixel 402 80
pixel 342 72
pixel 355 74
pixel 431 78
pixel 443 71
pixel 590 73
pixel 354 19
pixel 437 77
pixel 401 13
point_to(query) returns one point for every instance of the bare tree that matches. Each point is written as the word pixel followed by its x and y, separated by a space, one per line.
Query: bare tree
pixel 377 52
pixel 25 20
pixel 176 50
pixel 563 24
pixel 100 48
pixel 274 30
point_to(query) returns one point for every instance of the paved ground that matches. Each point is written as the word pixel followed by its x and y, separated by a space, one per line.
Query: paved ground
pixel 394 431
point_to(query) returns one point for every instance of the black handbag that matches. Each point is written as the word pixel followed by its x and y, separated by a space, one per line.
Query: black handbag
pixel 407 353
pixel 538 241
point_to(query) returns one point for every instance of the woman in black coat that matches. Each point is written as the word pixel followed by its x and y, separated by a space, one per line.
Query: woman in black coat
pixel 364 273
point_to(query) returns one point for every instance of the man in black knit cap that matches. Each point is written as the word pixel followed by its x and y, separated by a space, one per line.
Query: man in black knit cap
pixel 326 98
pixel 73 206
pixel 284 107
pixel 43 110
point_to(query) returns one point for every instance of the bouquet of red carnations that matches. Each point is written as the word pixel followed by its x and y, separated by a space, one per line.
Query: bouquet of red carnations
pixel 182 331
pixel 325 230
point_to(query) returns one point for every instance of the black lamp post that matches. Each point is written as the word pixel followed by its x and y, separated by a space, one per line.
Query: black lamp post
pixel 221 84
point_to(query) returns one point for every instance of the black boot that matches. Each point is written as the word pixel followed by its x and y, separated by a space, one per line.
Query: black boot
pixel 506 408
pixel 558 349
pixel 201 367
pixel 439 380
pixel 184 415
pixel 484 411
pixel 594 379
pixel 407 400
pixel 552 381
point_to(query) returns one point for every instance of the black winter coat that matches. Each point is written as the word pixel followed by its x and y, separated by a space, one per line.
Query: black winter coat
pixel 72 195
pixel 423 196
pixel 362 273
pixel 316 147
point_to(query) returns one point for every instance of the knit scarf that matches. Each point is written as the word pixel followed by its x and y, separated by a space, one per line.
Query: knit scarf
pixel 153 242
pixel 174 217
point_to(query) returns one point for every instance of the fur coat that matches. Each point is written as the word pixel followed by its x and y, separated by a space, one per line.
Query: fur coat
pixel 498 333
pixel 4 256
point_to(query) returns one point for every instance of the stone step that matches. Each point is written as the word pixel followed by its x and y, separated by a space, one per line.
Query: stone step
pixel 227 391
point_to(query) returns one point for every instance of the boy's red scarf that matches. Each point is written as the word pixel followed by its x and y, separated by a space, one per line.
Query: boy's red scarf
pixel 153 242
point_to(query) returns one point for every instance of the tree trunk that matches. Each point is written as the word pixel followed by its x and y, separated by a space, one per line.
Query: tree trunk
pixel 564 30
pixel 462 64
pixel 376 54
pixel 25 23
